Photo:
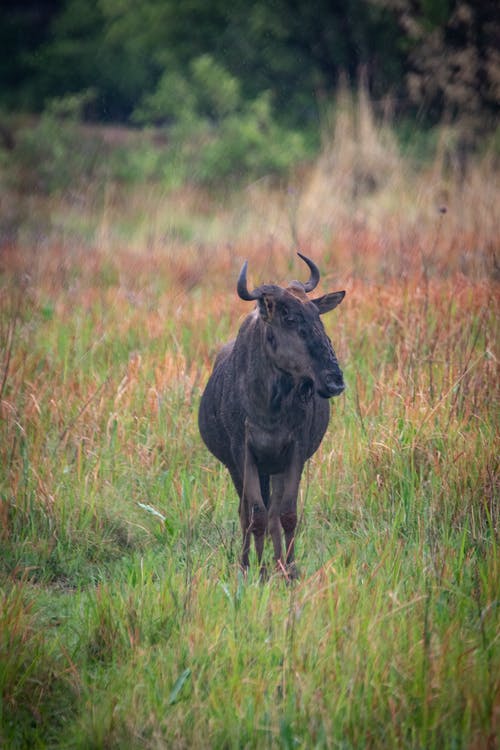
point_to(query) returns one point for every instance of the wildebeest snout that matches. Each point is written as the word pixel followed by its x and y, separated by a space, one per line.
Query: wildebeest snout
pixel 333 383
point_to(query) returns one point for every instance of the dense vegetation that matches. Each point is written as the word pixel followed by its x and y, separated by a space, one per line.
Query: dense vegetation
pixel 241 89
pixel 233 131
pixel 138 57
pixel 124 620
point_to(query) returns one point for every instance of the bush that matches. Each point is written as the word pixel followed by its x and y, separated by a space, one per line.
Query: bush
pixel 54 155
pixel 209 133
pixel 215 134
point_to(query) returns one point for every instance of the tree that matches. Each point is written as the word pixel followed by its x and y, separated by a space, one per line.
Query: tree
pixel 123 49
pixel 453 58
pixel 24 27
pixel 440 56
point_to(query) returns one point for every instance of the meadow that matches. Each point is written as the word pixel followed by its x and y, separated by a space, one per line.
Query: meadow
pixel 125 621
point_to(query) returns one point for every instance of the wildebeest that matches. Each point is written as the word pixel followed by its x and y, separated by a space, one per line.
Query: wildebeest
pixel 265 408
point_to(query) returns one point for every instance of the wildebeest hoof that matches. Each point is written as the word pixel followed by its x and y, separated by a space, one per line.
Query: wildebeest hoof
pixel 290 572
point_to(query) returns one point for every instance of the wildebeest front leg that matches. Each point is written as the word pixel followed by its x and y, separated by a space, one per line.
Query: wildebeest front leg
pixel 253 512
pixel 283 515
pixel 244 517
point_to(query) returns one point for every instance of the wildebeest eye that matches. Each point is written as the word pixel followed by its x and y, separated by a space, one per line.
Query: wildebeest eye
pixel 290 320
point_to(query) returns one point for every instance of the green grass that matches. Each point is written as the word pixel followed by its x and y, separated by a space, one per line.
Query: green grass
pixel 124 619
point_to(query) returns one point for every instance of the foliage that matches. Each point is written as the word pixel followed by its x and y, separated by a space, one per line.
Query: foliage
pixel 215 133
pixel 125 49
pixel 132 54
pixel 53 155
pixel 225 94
pixel 453 62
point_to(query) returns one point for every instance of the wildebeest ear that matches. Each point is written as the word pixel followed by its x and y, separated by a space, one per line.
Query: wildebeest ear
pixel 328 301
pixel 266 307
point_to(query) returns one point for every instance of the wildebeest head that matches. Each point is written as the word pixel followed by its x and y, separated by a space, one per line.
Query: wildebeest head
pixel 295 338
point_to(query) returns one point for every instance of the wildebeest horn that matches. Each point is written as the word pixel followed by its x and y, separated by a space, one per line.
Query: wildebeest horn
pixel 314 278
pixel 242 288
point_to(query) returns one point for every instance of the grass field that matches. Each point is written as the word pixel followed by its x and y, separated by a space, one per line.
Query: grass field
pixel 124 619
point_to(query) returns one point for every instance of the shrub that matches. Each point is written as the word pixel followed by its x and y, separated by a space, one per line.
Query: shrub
pixel 215 134
pixel 54 155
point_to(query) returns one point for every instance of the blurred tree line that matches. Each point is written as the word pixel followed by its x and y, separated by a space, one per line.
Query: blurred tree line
pixel 230 90
pixel 157 61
